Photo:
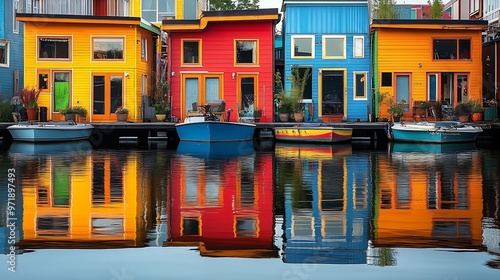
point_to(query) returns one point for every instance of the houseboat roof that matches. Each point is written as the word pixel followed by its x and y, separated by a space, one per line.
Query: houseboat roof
pixel 221 16
pixel 430 24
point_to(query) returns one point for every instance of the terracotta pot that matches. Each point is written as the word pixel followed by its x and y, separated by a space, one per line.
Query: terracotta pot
pixel 121 117
pixel 463 118
pixel 32 114
pixel 69 117
pixel 477 117
pixel 298 117
pixel 161 117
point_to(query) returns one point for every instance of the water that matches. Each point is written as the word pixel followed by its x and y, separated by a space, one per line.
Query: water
pixel 238 211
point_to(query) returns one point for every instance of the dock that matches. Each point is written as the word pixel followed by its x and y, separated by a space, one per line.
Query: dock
pixel 109 134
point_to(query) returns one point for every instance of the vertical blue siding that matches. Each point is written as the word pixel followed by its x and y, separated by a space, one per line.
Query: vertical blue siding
pixel 331 19
pixel 16 50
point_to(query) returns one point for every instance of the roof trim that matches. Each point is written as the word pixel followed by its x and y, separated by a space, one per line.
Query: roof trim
pixel 430 24
pixel 77 18
pixel 221 16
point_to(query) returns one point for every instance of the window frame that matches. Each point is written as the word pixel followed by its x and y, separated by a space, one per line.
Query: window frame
pixel 324 46
pixel 49 81
pixel 200 53
pixel 6 53
pixel 362 46
pixel 458 56
pixel 62 37
pixel 292 48
pixel 93 42
pixel 144 49
pixel 255 52
pixel 365 90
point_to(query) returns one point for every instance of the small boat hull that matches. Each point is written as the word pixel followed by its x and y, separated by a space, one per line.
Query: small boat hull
pixel 437 132
pixel 319 134
pixel 215 131
pixel 50 132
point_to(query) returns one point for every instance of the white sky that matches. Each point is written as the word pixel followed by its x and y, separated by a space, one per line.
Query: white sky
pixel 277 3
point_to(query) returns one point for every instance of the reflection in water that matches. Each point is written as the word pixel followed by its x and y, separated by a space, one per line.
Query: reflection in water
pixel 338 205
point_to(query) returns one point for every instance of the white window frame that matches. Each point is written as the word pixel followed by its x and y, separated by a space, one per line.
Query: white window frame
pixel 354 97
pixel 325 37
pixel 354 46
pixel 15 23
pixel 292 48
pixel 7 54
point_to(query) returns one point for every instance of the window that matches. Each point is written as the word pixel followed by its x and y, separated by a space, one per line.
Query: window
pixel 44 80
pixel 303 46
pixel 108 48
pixel 334 47
pixel 358 47
pixel 246 52
pixel 53 48
pixel 52 226
pixel 191 52
pixel 359 85
pixel 107 226
pixel 387 79
pixel 4 54
pixel 452 49
pixel 144 49
pixel 190 9
pixel 246 227
pixel 191 226
pixel 15 23
pixel 155 10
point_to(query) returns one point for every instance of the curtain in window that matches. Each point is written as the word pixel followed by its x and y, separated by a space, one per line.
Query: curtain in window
pixel 191 93
pixel 212 89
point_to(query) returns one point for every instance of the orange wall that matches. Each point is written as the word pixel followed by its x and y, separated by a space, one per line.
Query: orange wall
pixel 411 51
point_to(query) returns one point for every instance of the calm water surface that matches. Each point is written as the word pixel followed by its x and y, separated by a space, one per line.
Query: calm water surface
pixel 245 211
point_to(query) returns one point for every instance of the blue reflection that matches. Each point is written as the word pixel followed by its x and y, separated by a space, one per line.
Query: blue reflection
pixel 216 149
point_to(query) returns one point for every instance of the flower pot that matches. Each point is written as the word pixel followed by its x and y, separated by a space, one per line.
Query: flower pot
pixel 331 118
pixel 298 117
pixel 463 118
pixel 477 117
pixel 161 117
pixel 121 117
pixel 69 117
pixel 32 114
pixel 284 117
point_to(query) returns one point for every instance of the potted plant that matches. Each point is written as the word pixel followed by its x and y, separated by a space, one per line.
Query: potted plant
pixel 297 92
pixel 28 97
pixel 121 114
pixel 69 114
pixel 161 111
pixel 81 112
pixel 462 111
pixel 476 110
pixel 396 110
pixel 284 107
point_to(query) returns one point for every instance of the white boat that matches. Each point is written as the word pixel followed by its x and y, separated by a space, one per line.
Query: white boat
pixel 434 132
pixel 50 131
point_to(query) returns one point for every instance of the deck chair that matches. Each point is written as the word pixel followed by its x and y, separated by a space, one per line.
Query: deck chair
pixel 219 110
pixel 195 111
pixel 244 116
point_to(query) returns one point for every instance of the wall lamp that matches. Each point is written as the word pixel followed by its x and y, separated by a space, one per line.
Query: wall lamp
pixel 233 75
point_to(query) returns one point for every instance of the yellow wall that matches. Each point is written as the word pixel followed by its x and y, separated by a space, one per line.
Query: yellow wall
pixel 82 66
pixel 411 51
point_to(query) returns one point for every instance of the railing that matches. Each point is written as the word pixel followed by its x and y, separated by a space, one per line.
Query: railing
pixel 78 7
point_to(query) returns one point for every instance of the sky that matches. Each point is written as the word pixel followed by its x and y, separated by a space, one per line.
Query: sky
pixel 277 3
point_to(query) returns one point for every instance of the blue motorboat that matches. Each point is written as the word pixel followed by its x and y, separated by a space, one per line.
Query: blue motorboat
pixel 434 132
pixel 203 130
pixel 50 131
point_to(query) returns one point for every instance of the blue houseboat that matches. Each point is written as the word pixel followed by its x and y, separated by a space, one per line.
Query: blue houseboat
pixel 331 38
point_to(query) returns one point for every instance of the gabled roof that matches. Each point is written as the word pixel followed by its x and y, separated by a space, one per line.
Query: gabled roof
pixel 221 16
pixel 429 24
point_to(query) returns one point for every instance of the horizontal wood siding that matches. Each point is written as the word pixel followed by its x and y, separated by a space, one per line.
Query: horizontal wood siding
pixel 327 18
pixel 16 47
pixel 403 51
pixel 82 65
pixel 218 57
pixel 331 19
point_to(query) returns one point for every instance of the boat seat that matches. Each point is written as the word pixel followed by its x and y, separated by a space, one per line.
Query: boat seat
pixel 219 110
